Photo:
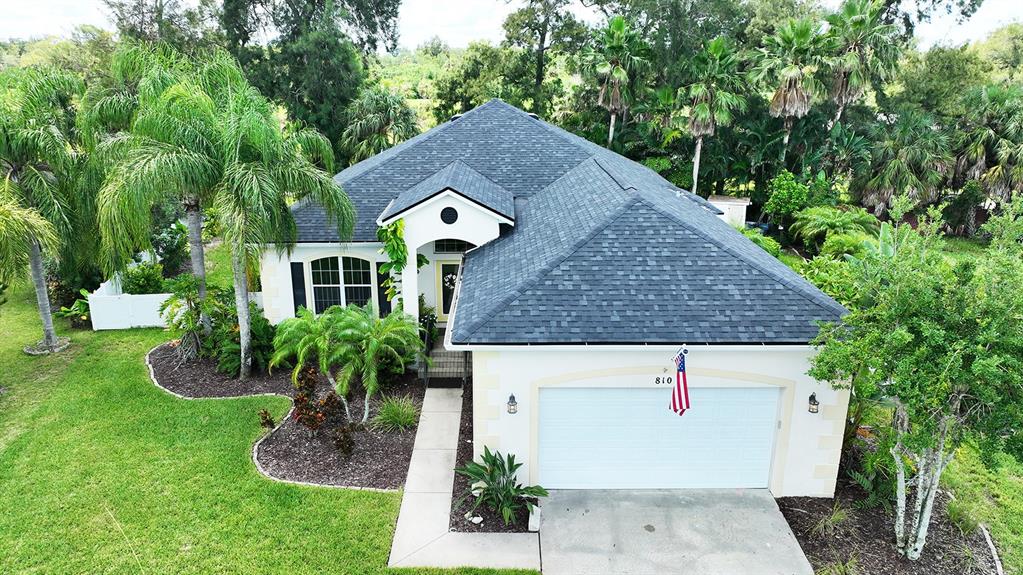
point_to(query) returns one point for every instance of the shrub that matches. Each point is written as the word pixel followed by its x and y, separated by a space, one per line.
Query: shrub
pixel 962 516
pixel 427 322
pixel 78 312
pixel 183 311
pixel 850 566
pixel 144 278
pixel 786 196
pixel 344 439
pixel 815 224
pixel 396 414
pixel 767 243
pixel 828 525
pixel 226 341
pixel 840 245
pixel 266 420
pixel 832 276
pixel 171 246
pixel 494 485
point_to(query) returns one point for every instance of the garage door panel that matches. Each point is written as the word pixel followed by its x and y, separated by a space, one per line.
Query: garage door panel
pixel 628 438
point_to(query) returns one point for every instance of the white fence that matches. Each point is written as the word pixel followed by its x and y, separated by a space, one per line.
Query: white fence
pixel 110 308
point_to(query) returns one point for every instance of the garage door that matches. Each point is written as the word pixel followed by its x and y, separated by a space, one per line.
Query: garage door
pixel 627 438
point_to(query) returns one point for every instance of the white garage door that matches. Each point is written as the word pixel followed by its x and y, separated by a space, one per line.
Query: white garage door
pixel 627 438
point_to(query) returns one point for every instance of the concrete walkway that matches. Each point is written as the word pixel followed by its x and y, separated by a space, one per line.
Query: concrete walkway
pixel 694 531
pixel 421 537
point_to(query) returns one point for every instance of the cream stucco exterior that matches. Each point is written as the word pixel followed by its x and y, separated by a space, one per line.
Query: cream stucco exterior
pixel 807 446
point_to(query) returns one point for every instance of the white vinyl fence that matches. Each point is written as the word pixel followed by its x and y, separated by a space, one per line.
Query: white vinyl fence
pixel 110 308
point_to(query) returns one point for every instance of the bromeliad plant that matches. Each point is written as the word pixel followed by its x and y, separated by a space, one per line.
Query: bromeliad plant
pixel 493 484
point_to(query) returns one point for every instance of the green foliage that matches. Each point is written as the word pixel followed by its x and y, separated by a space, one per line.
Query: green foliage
pixel 226 347
pixel 840 245
pixel 786 196
pixel 936 80
pixel 493 484
pixel 396 414
pixel 961 514
pixel 143 278
pixel 377 120
pixel 618 55
pixel 874 472
pixel 816 224
pixel 171 247
pixel 427 322
pixel 827 526
pixel 832 276
pixel 767 243
pixel 77 312
pixel 850 566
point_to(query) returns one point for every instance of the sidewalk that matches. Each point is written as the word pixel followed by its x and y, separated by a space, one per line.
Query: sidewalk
pixel 421 537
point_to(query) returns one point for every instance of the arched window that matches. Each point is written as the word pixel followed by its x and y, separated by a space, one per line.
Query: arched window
pixel 348 283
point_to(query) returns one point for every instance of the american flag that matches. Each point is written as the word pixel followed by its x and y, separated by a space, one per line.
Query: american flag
pixel 680 393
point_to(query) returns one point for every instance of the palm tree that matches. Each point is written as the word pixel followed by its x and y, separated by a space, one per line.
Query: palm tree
pixel 20 227
pixel 911 156
pixel 367 341
pixel 310 339
pixel 378 119
pixel 866 48
pixel 990 139
pixel 789 61
pixel 715 94
pixel 37 167
pixel 211 136
pixel 620 54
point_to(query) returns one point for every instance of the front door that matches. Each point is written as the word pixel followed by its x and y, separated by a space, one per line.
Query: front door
pixel 447 275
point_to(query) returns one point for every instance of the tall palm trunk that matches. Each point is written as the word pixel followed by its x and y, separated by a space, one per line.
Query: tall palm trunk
pixel 241 301
pixel 838 116
pixel 193 217
pixel 611 129
pixel 785 141
pixel 696 162
pixel 35 255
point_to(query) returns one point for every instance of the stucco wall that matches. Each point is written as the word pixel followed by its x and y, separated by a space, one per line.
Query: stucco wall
pixel 807 446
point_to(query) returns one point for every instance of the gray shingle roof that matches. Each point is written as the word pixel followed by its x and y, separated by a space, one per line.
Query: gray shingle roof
pixel 459 177
pixel 603 250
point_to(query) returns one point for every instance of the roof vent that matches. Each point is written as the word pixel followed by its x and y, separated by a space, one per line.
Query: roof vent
pixel 534 116
pixel 455 117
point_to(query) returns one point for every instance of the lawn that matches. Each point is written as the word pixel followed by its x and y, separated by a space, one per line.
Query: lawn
pixel 101 472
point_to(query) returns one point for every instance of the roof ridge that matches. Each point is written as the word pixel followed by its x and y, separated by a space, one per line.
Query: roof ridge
pixel 545 269
pixel 799 288
pixel 397 149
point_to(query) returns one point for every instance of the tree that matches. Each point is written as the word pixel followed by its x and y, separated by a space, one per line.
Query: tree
pixel 620 53
pixel 866 49
pixel 789 62
pixel 910 157
pixel 1004 47
pixel 542 27
pixel 935 81
pixel 20 227
pixel 313 340
pixel 943 345
pixel 714 95
pixel 377 120
pixel 989 138
pixel 37 167
pixel 186 27
pixel 484 72
pixel 367 341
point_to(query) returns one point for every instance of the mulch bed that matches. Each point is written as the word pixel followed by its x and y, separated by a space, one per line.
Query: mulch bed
pixel 200 378
pixel 378 459
pixel 492 521
pixel 867 535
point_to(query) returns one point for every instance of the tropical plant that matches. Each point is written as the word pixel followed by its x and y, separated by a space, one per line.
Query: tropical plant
pixel 989 138
pixel 396 414
pixel 377 120
pixel 910 157
pixel 143 278
pixel 78 312
pixel 227 346
pixel 493 484
pixel 367 341
pixel 789 63
pixel 186 312
pixel 392 239
pixel 786 196
pixel 766 243
pixel 814 225
pixel 866 48
pixel 714 95
pixel 171 247
pixel 619 55
pixel 832 276
pixel 841 245
pixel 37 167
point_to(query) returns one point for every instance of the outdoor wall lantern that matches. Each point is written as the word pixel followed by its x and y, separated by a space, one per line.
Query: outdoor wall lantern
pixel 814 404
pixel 513 406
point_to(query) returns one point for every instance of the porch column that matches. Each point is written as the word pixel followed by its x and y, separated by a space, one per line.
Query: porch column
pixel 410 284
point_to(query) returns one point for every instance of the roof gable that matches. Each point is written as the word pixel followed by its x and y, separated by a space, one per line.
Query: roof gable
pixel 460 178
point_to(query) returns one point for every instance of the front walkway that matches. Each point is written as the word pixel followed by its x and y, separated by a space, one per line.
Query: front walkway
pixel 421 537
pixel 693 531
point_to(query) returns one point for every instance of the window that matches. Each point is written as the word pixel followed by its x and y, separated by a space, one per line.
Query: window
pixel 449 215
pixel 328 287
pixel 451 246
pixel 358 281
pixel 326 284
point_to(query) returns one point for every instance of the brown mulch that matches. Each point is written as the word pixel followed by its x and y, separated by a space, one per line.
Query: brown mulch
pixel 492 521
pixel 378 459
pixel 200 378
pixel 867 536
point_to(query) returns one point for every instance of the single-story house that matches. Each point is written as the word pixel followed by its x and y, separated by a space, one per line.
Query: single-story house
pixel 573 275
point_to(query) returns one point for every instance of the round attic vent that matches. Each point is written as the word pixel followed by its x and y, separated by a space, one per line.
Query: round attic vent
pixel 449 215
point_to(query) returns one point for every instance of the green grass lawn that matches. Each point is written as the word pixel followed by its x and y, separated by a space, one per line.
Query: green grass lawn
pixel 101 472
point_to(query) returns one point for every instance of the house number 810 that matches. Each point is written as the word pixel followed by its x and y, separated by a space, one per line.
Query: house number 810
pixel 664 380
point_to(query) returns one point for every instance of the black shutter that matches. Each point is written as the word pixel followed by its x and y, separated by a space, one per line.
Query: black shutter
pixel 298 284
pixel 385 304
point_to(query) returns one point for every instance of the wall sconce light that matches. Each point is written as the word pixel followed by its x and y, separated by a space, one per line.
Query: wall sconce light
pixel 513 406
pixel 814 404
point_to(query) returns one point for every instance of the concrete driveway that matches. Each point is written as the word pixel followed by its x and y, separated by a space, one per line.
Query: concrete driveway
pixel 691 532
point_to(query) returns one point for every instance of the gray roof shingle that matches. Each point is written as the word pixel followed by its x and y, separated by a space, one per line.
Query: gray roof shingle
pixel 459 177
pixel 603 249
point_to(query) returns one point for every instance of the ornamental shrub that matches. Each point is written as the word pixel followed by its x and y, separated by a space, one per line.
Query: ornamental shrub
pixel 494 485
pixel 396 414
pixel 144 278
pixel 786 196
pixel 767 243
